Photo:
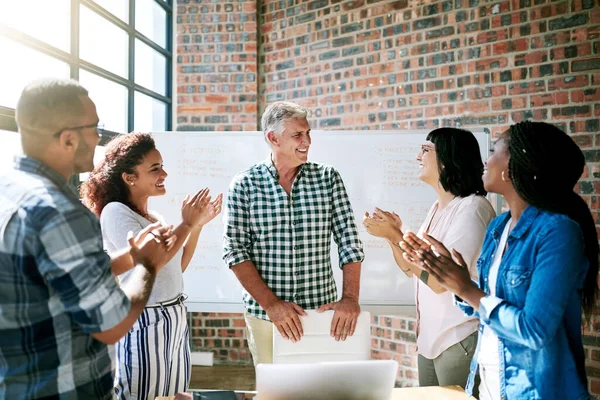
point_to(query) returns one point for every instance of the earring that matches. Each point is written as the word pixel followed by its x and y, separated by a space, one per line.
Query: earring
pixel 132 183
pixel 505 180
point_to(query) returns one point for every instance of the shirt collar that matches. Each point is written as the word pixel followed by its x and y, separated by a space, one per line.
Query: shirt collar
pixel 523 224
pixel 36 167
pixel 273 171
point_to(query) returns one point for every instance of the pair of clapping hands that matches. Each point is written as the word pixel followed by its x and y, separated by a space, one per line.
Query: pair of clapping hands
pixel 426 253
pixel 151 246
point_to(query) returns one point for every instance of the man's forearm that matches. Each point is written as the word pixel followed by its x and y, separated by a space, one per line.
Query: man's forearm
pixel 251 280
pixel 138 290
pixel 351 285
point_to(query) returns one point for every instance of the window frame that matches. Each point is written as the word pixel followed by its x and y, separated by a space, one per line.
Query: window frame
pixel 7 115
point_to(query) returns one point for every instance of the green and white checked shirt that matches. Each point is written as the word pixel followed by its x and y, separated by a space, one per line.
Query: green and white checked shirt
pixel 288 238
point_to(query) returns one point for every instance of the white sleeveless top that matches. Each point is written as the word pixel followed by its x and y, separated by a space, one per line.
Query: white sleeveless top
pixel 116 220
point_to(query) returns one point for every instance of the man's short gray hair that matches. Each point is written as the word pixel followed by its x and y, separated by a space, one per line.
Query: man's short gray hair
pixel 49 105
pixel 278 113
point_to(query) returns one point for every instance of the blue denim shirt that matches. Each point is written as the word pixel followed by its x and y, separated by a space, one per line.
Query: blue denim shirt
pixel 536 312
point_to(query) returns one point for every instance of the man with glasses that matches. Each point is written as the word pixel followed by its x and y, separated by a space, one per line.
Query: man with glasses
pixel 60 306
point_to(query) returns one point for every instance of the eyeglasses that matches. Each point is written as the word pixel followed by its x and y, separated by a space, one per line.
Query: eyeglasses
pixel 99 129
pixel 425 148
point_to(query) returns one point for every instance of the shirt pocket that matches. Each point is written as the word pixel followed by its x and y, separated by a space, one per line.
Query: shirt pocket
pixel 516 283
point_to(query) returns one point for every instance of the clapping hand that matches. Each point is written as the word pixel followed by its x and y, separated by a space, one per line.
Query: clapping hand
pixel 384 224
pixel 151 245
pixel 194 206
pixel 211 210
pixel 447 267
pixel 411 244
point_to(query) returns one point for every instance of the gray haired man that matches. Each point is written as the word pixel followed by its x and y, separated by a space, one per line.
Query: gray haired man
pixel 281 214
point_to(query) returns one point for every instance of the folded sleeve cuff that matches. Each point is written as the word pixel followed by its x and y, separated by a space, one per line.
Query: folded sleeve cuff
pixel 487 305
pixel 351 255
pixel 235 257
pixel 465 307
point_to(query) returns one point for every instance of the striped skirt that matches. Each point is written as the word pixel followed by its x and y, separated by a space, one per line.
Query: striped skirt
pixel 153 359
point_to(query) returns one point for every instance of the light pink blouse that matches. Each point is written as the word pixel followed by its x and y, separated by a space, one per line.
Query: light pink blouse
pixel 461 226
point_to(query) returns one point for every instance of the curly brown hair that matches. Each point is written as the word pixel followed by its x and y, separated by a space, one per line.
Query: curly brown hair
pixel 105 184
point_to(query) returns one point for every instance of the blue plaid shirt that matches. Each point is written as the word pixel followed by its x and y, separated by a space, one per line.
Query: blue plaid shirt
pixel 56 288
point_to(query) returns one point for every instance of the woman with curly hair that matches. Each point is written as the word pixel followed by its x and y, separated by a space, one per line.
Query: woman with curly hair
pixel 153 359
pixel 538 269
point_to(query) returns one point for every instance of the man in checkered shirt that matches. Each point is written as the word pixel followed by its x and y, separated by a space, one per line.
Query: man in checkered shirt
pixel 281 214
pixel 60 306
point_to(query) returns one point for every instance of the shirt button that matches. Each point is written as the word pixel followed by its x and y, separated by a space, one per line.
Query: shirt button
pixel 512 282
pixel 295 248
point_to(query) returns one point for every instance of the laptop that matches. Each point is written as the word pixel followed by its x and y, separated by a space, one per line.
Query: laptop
pixel 349 380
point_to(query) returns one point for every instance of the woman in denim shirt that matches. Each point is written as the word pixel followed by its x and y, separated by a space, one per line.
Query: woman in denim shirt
pixel 544 273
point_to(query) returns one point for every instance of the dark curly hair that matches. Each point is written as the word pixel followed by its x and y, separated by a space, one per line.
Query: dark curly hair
pixel 459 161
pixel 543 181
pixel 105 184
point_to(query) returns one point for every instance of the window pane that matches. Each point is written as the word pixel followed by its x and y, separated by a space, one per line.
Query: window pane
pixel 150 114
pixel 48 21
pixel 110 99
pixel 150 68
pixel 119 8
pixel 25 66
pixel 151 21
pixel 11 146
pixel 103 43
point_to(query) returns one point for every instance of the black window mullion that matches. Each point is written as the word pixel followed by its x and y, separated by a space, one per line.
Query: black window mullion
pixel 74 39
pixel 170 67
pixel 152 44
pixel 105 13
pixel 7 119
pixel 72 58
pixel 131 87
pixel 165 5
pixel 35 44
pixel 152 94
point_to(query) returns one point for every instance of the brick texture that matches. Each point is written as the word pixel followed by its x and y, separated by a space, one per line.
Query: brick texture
pixel 216 65
pixel 403 64
pixel 222 333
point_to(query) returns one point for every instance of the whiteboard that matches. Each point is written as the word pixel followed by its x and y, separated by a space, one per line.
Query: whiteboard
pixel 378 168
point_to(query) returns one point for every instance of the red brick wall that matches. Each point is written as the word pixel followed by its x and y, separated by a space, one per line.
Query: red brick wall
pixel 369 64
pixel 216 65
pixel 222 333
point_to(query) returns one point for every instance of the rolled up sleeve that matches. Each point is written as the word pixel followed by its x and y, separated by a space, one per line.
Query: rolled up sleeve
pixel 345 232
pixel 236 238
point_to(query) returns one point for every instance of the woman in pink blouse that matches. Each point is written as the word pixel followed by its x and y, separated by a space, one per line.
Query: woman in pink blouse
pixel 449 162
